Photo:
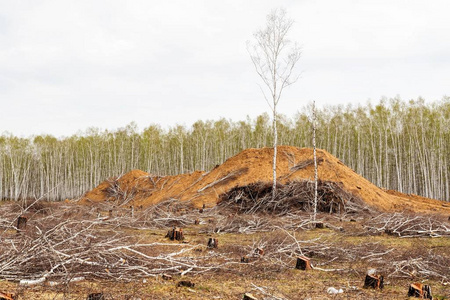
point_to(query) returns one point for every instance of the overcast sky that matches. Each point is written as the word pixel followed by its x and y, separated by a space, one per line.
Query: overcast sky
pixel 69 65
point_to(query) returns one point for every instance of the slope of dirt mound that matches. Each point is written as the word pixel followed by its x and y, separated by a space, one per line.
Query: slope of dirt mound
pixel 418 203
pixel 249 167
pixel 140 188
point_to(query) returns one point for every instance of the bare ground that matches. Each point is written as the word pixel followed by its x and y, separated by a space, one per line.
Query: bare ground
pixel 123 254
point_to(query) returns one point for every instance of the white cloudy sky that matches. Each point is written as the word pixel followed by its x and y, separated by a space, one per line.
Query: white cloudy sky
pixel 69 65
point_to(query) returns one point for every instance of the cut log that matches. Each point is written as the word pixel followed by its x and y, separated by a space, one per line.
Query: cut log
pixel 22 223
pixel 95 296
pixel 213 243
pixel 303 263
pixel 419 290
pixel 374 281
pixel 175 234
pixel 248 296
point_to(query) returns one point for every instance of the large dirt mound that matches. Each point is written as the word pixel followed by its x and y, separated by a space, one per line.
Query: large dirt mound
pixel 249 167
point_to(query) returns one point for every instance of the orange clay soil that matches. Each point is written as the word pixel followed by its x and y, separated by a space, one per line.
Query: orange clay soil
pixel 254 165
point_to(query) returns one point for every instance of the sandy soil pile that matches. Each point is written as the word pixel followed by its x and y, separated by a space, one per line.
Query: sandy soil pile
pixel 250 166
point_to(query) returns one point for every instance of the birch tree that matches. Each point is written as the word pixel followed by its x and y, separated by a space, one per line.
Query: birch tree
pixel 274 58
pixel 315 159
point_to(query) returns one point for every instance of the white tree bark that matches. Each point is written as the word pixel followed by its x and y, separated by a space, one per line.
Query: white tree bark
pixel 274 65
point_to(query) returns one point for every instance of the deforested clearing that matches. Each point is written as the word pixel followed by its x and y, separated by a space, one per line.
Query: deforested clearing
pixel 221 234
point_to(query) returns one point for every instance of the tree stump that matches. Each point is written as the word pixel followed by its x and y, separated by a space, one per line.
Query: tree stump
pixel 374 281
pixel 303 263
pixel 166 276
pixel 259 252
pixel 186 283
pixel 22 223
pixel 95 296
pixel 245 259
pixel 213 243
pixel 7 296
pixel 389 231
pixel 419 290
pixel 248 296
pixel 427 292
pixel 175 234
pixel 319 225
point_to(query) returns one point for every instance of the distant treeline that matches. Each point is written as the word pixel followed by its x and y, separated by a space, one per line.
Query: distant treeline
pixel 396 145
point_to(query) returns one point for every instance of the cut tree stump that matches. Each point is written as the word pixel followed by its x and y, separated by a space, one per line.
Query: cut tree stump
pixel 175 234
pixel 374 281
pixel 259 252
pixel 245 259
pixel 389 231
pixel 166 277
pixel 7 296
pixel 419 290
pixel 319 225
pixel 213 243
pixel 185 283
pixel 22 223
pixel 95 296
pixel 303 263
pixel 248 296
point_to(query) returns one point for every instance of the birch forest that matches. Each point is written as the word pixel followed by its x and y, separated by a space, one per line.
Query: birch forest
pixel 396 144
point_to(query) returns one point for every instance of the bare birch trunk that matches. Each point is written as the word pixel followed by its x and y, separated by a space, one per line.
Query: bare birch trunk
pixel 315 161
pixel 275 141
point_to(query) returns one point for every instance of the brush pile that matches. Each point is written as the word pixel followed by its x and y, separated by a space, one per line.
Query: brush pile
pixel 291 197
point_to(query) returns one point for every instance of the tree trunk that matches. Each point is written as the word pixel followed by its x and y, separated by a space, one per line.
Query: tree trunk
pixel 275 141
pixel 315 161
